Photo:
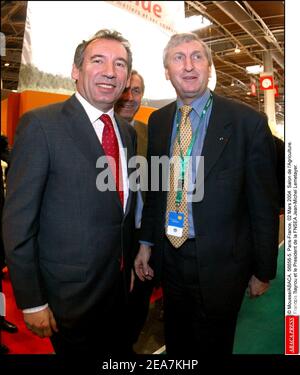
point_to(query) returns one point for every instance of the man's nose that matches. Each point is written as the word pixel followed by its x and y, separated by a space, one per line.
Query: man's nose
pixel 189 65
pixel 128 95
pixel 109 69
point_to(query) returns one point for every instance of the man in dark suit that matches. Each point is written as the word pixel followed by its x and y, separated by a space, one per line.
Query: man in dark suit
pixel 126 107
pixel 67 237
pixel 211 246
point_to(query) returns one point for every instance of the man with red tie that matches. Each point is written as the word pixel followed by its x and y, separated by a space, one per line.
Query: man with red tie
pixel 67 240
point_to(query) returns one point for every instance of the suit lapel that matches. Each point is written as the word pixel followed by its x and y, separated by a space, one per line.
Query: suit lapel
pixel 81 130
pixel 167 120
pixel 165 136
pixel 217 136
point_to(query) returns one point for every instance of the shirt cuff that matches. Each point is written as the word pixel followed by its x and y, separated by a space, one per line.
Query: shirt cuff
pixel 146 243
pixel 35 309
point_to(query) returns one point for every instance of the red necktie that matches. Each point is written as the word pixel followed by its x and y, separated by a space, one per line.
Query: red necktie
pixel 111 148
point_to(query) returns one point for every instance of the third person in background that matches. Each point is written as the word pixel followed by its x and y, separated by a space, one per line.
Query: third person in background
pixel 127 106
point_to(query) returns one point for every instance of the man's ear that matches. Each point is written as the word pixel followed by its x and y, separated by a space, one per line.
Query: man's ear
pixel 167 74
pixel 75 72
pixel 209 72
pixel 128 81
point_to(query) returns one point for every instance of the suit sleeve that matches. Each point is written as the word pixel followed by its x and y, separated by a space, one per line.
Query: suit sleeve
pixel 262 196
pixel 26 183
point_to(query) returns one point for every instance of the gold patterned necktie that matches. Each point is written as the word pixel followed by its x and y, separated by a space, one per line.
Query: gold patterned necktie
pixel 185 129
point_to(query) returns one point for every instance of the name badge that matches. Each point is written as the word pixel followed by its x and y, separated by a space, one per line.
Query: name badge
pixel 175 223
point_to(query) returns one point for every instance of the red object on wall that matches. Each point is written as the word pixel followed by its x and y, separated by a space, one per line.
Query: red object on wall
pixel 12 115
pixel 266 83
pixel 253 88
pixel 276 91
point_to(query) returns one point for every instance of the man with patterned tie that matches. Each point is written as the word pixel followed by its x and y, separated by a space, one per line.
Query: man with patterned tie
pixel 68 241
pixel 207 248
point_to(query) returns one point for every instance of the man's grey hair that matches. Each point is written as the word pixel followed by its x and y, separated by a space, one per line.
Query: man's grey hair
pixel 102 34
pixel 177 39
pixel 135 72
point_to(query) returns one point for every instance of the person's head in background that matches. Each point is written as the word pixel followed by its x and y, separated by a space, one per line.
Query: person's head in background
pixel 102 67
pixel 187 61
pixel 130 101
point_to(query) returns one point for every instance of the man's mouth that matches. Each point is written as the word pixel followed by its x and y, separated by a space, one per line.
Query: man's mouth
pixel 189 78
pixel 105 85
pixel 127 105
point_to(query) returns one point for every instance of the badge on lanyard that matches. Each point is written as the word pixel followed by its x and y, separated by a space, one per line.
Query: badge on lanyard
pixel 175 223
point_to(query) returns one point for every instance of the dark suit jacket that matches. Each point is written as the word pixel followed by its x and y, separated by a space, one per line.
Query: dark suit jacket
pixel 236 222
pixel 63 237
pixel 142 137
pixel 142 144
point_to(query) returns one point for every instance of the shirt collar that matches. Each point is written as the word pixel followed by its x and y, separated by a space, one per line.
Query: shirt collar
pixel 92 112
pixel 198 104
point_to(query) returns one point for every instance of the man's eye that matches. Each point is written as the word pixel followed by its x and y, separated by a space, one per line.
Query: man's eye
pixel 197 56
pixel 178 58
pixel 136 91
pixel 97 61
pixel 121 64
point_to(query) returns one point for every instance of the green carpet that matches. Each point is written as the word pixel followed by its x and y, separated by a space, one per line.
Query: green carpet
pixel 260 328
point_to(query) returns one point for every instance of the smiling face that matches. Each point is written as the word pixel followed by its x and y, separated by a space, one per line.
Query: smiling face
pixel 104 73
pixel 188 69
pixel 130 100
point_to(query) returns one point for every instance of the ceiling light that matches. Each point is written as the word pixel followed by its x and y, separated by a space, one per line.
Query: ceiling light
pixel 237 49
pixel 254 69
pixel 6 64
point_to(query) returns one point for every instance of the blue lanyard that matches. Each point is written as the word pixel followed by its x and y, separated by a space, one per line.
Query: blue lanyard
pixel 185 158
